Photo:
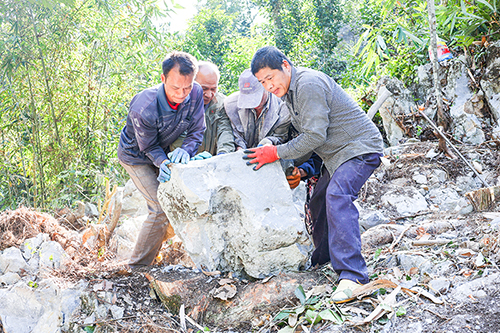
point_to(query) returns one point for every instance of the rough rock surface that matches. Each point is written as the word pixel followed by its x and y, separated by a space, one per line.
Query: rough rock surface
pixel 234 219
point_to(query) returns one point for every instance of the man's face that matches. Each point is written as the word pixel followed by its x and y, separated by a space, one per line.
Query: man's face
pixel 177 86
pixel 275 81
pixel 263 101
pixel 208 82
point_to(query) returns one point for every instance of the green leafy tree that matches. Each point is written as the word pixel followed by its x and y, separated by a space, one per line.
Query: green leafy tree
pixel 69 69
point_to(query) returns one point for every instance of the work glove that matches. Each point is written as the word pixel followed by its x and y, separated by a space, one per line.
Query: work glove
pixel 294 178
pixel 264 142
pixel 165 172
pixel 201 156
pixel 179 155
pixel 261 155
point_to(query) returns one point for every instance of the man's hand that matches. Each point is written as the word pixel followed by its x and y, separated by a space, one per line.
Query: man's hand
pixel 165 172
pixel 261 155
pixel 264 142
pixel 294 178
pixel 179 155
pixel 201 156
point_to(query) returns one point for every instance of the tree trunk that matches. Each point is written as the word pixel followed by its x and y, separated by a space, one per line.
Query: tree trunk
pixel 442 118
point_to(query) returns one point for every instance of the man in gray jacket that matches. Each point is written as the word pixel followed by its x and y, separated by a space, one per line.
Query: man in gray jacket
pixel 257 117
pixel 332 125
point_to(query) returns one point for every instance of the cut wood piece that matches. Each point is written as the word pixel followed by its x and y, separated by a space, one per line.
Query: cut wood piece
pixel 251 298
pixel 483 198
pixel 430 242
pixel 384 94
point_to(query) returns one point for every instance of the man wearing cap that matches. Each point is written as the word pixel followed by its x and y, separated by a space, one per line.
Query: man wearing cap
pixel 331 124
pixel 157 117
pixel 257 117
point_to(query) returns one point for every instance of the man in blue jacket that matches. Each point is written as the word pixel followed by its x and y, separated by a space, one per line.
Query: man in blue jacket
pixel 157 117
pixel 333 126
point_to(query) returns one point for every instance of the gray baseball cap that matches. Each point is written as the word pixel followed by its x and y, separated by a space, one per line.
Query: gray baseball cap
pixel 251 90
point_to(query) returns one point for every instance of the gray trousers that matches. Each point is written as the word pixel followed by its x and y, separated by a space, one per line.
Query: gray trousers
pixel 154 228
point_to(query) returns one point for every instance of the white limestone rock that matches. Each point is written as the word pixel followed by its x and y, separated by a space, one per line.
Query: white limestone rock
pixel 11 260
pixel 41 307
pixel 53 256
pixel 232 218
pixel 399 103
pixel 406 200
pixel 133 203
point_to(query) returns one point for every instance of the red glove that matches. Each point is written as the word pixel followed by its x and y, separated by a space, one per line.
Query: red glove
pixel 261 155
pixel 294 178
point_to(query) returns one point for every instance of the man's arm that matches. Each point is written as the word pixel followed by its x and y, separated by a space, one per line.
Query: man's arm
pixel 313 111
pixel 231 109
pixel 197 126
pixel 279 133
pixel 146 133
pixel 225 138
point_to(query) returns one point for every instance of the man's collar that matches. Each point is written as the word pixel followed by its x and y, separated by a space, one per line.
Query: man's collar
pixel 293 80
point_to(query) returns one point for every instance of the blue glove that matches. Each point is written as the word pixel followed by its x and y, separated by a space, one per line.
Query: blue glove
pixel 201 156
pixel 165 172
pixel 179 155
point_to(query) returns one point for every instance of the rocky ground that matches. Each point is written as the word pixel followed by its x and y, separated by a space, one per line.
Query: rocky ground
pixel 432 258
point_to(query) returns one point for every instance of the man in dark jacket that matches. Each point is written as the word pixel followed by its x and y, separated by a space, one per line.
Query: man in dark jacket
pixel 157 117
pixel 333 126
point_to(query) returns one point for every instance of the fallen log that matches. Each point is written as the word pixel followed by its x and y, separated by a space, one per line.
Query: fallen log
pixel 251 300
pixel 387 233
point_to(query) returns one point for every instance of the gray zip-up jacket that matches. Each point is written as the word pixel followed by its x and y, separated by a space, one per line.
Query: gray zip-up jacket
pixel 274 125
pixel 329 122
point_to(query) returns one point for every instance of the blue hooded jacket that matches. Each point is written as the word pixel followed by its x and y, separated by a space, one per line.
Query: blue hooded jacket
pixel 152 126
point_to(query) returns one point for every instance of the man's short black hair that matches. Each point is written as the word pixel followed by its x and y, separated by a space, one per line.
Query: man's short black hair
pixel 268 56
pixel 185 61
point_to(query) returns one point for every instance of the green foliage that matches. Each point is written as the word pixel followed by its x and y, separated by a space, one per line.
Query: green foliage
pixel 68 70
pixel 311 311
pixel 401 311
pixel 307 31
pixel 462 22
pixel 216 35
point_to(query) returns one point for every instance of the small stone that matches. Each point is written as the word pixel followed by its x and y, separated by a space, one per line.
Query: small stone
pixel 11 260
pixel 116 311
pixel 431 153
pixel 91 210
pixel 439 286
pixel 420 179
pixel 9 278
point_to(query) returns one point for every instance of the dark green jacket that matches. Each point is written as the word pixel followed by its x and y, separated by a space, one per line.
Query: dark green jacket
pixel 218 137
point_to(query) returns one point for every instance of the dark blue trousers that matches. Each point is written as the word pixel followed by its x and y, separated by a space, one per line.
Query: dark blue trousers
pixel 335 233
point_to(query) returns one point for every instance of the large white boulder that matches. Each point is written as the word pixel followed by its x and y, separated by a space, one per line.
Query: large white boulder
pixel 232 218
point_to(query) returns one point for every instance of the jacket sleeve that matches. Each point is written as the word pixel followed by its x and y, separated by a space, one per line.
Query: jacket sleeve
pixel 232 113
pixel 312 166
pixel 196 126
pixel 146 132
pixel 279 134
pixel 313 111
pixel 225 138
